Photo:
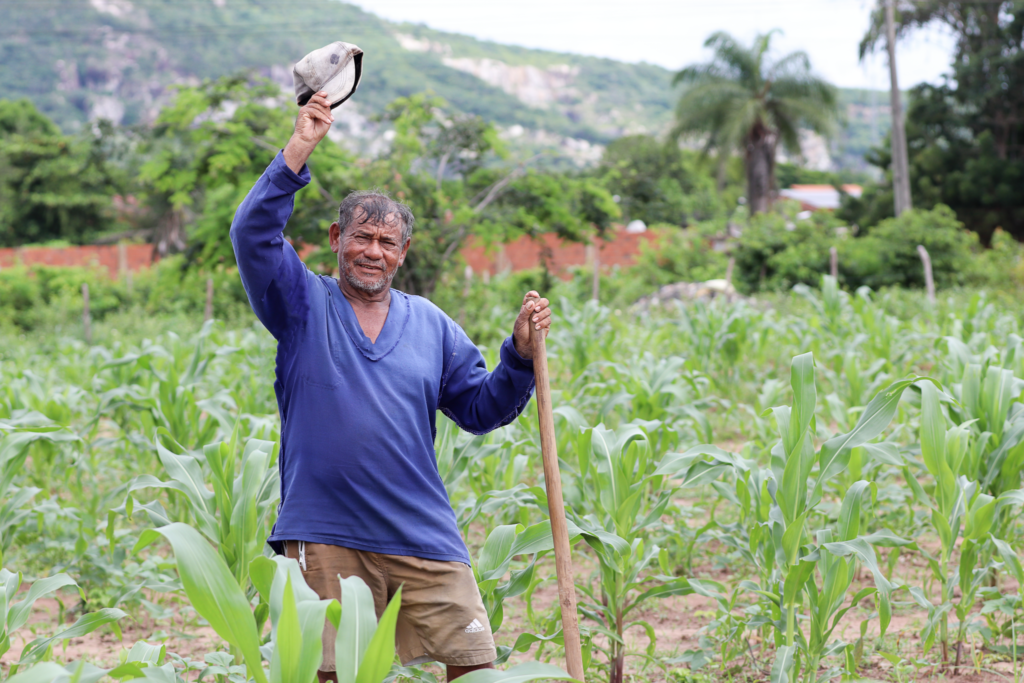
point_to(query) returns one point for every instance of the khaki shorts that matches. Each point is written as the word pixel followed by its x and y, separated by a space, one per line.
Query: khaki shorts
pixel 442 617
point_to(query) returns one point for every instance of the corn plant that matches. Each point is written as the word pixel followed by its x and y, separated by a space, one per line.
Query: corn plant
pixel 14 615
pixel 503 544
pixel 959 511
pixel 235 515
pixel 165 394
pixel 14 450
pixel 140 657
pixel 364 648
pixel 624 493
pixel 989 407
pixel 784 501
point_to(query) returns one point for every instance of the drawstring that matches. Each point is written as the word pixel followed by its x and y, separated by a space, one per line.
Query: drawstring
pixel 302 555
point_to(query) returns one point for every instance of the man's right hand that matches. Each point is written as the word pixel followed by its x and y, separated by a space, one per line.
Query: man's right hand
pixel 311 126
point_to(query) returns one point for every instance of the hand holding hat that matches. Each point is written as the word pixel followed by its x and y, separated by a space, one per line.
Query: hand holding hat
pixel 323 79
pixel 334 69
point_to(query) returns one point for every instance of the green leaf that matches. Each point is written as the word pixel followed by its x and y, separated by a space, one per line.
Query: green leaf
pixel 523 673
pixel 85 625
pixel 19 612
pixel 215 594
pixel 835 453
pixel 783 664
pixel 356 627
pixel 849 513
pixel 494 556
pixel 1010 560
pixel 380 653
pixel 804 400
pixel 44 672
pixel 287 640
pixel 933 431
pixel 536 538
pixel 791 539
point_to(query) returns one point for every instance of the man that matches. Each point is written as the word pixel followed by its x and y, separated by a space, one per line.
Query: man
pixel 361 371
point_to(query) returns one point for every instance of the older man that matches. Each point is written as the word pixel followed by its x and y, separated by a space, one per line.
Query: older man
pixel 362 370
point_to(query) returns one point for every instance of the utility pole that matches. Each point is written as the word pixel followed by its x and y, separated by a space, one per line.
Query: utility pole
pixel 900 163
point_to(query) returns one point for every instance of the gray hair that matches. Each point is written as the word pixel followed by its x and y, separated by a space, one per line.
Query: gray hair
pixel 378 208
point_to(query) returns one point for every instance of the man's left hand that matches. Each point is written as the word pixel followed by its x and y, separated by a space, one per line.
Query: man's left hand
pixel 534 314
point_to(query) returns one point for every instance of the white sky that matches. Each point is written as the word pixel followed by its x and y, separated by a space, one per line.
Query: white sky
pixel 671 32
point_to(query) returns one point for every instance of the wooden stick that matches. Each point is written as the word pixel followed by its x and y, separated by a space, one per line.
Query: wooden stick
pixel 833 262
pixel 929 281
pixel 556 508
pixel 86 316
pixel 208 312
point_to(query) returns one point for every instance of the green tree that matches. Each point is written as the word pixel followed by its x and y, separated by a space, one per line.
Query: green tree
pixel 965 137
pixel 454 172
pixel 658 182
pixel 742 101
pixel 52 187
pixel 204 153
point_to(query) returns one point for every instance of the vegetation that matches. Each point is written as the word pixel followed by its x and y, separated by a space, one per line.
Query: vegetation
pixel 964 141
pixel 739 462
pixel 739 102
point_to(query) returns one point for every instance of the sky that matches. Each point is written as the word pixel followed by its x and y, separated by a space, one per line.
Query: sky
pixel 671 33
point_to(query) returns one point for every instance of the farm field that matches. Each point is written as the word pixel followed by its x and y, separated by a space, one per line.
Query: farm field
pixel 810 486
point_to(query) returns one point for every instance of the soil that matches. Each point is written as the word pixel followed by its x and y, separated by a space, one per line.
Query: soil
pixel 677 621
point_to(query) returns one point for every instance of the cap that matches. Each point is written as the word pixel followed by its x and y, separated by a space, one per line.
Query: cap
pixel 335 69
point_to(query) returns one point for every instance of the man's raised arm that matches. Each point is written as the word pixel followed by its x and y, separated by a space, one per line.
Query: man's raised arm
pixel 272 274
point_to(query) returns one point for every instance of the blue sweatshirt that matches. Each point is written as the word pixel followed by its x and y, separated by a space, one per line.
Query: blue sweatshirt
pixel 357 461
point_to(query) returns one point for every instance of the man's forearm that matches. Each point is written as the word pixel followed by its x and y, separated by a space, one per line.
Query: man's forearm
pixel 311 126
pixel 297 153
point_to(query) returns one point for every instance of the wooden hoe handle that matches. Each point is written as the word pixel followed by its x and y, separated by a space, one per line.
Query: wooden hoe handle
pixel 556 508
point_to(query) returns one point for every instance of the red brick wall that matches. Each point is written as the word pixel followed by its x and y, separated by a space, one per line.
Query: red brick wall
pixel 526 253
pixel 522 254
pixel 137 256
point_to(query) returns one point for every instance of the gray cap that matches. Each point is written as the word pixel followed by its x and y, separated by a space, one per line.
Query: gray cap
pixel 335 69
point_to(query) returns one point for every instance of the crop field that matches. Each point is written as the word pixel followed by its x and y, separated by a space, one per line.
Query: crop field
pixel 819 486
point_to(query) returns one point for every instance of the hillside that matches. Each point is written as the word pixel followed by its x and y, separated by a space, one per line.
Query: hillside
pixel 115 59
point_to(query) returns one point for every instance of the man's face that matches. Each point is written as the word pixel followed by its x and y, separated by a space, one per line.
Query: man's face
pixel 369 254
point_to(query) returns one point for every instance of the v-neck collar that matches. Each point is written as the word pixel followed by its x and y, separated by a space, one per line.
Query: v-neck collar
pixel 390 334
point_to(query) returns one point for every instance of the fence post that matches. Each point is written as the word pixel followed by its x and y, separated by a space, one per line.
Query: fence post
pixel 122 266
pixel 86 317
pixel 929 282
pixel 595 285
pixel 728 270
pixel 122 259
pixel 833 259
pixel 208 313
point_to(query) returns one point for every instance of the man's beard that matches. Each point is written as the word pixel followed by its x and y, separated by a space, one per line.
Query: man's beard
pixel 375 287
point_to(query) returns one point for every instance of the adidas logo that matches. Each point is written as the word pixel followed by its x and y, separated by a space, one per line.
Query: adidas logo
pixel 474 626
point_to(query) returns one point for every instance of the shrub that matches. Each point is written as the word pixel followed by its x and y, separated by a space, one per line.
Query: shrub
pixel 35 296
pixel 887 256
pixel 777 252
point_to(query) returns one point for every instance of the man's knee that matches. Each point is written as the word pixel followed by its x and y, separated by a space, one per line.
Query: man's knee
pixel 456 671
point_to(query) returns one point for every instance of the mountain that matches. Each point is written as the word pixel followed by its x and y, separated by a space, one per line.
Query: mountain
pixel 116 59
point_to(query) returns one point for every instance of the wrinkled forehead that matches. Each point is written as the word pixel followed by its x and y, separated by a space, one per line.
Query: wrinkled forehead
pixel 375 222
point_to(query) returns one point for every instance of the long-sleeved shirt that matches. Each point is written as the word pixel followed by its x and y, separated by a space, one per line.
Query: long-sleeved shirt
pixel 357 460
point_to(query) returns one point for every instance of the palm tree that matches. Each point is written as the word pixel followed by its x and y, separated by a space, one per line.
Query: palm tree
pixel 741 102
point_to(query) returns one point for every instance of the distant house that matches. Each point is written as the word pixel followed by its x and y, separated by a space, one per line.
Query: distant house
pixel 818 197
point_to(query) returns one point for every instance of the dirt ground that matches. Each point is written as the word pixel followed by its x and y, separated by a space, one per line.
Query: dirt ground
pixel 677 623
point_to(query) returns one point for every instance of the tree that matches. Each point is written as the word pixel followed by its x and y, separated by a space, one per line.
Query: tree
pixel 966 136
pixel 201 157
pixel 454 172
pixel 658 182
pixel 740 101
pixel 987 66
pixel 52 187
